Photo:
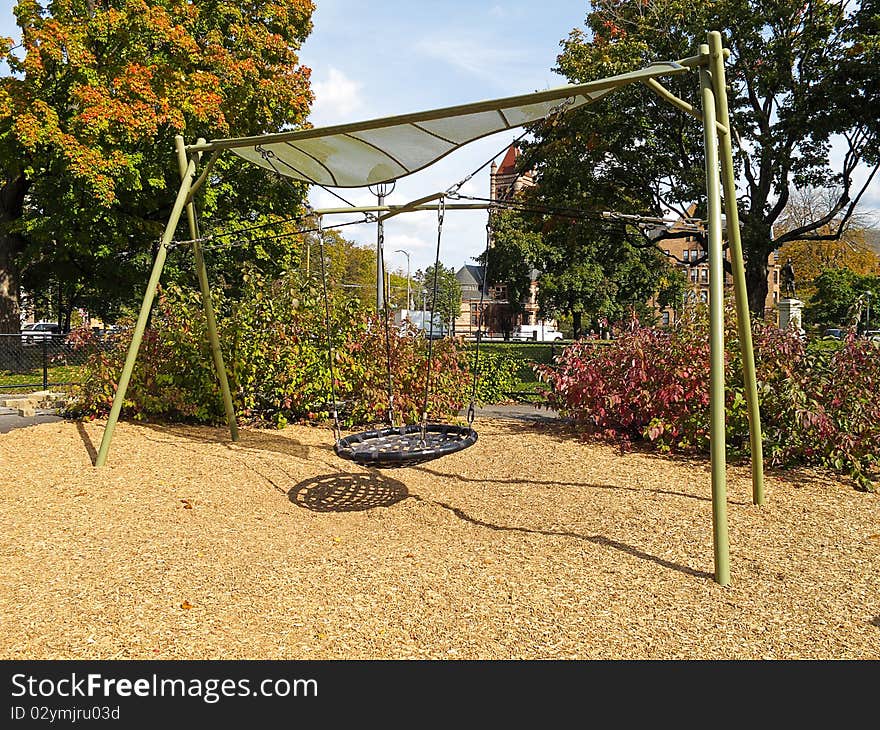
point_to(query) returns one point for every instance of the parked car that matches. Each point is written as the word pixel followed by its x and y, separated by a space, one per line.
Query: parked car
pixel 873 335
pixel 35 332
pixel 833 333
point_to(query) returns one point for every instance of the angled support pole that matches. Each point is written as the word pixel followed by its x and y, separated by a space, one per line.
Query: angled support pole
pixel 147 304
pixel 743 316
pixel 202 273
pixel 717 434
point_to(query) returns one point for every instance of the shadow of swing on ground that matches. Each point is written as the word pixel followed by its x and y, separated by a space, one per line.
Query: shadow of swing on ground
pixel 363 491
pixel 348 492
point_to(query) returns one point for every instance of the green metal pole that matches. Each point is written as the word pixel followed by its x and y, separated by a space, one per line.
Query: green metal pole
pixel 202 272
pixel 743 316
pixel 717 437
pixel 147 304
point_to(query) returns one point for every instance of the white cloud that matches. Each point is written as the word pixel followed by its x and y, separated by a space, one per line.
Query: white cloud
pixel 403 241
pixel 474 56
pixel 337 98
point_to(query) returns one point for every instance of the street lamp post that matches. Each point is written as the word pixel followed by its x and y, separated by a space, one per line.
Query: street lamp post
pixel 408 299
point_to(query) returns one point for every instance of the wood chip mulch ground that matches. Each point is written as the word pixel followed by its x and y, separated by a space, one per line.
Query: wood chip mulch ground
pixel 531 544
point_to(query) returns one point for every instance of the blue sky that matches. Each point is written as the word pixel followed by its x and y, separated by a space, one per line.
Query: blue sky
pixel 391 57
pixel 377 59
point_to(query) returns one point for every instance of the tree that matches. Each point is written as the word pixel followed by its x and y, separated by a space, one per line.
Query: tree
pixel 512 255
pixel 88 114
pixel 840 297
pixel 811 258
pixel 637 154
pixel 448 300
pixel 594 272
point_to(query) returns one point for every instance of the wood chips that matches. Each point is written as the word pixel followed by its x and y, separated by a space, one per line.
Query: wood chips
pixel 530 545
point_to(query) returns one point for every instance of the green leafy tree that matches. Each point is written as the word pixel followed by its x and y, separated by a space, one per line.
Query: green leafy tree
pixel 350 268
pixel 88 112
pixel 586 270
pixel 448 299
pixel 842 299
pixel 593 273
pixel 799 77
pixel 515 250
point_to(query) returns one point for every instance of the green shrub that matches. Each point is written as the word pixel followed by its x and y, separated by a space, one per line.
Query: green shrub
pixel 274 342
pixel 497 375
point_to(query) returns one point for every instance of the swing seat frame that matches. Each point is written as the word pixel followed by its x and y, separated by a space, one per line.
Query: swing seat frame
pixel 399 446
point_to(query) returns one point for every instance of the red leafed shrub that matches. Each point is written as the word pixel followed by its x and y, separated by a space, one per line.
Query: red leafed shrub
pixel 649 383
pixel 818 406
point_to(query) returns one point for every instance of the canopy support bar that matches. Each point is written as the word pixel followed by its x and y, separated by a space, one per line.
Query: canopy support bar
pixel 717 435
pixel 410 208
pixel 198 183
pixel 743 315
pixel 668 96
pixel 202 273
pixel 417 204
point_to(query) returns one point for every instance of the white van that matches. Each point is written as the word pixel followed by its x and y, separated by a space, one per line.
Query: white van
pixel 537 333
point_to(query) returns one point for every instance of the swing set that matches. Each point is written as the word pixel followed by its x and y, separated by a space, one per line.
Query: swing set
pixel 380 151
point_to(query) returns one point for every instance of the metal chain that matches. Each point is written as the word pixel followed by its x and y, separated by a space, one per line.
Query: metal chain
pixel 476 368
pixel 337 431
pixel 384 315
pixel 441 210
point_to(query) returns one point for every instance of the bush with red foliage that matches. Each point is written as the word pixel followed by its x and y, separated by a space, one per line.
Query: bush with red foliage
pixel 818 406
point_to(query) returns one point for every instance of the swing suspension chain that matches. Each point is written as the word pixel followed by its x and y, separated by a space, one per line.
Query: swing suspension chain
pixel 441 210
pixel 384 314
pixel 471 412
pixel 337 431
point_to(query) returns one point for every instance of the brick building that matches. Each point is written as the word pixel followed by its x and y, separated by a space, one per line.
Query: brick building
pixel 504 183
pixel 689 255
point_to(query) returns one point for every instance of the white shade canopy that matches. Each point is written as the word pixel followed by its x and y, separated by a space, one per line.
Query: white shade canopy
pixel 382 150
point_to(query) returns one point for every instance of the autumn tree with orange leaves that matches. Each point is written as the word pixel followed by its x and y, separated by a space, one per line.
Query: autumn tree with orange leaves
pixel 94 95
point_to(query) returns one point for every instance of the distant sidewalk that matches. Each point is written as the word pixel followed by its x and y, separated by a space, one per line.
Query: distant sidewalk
pixel 9 419
pixel 517 412
pixel 19 410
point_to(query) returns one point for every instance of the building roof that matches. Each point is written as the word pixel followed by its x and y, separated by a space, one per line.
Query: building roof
pixel 508 164
pixel 470 276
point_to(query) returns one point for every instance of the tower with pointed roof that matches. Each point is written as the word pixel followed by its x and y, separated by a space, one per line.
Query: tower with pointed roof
pixel 504 179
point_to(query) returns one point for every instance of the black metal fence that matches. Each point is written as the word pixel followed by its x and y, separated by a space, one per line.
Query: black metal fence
pixel 42 360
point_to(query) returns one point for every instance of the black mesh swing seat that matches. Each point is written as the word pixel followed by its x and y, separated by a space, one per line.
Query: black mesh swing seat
pixel 398 446
pixel 392 447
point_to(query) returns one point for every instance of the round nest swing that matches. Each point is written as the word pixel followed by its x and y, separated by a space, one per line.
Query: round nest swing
pixel 392 447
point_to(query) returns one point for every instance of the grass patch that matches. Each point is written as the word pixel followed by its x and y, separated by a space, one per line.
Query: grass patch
pixel 526 354
pixel 11 382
